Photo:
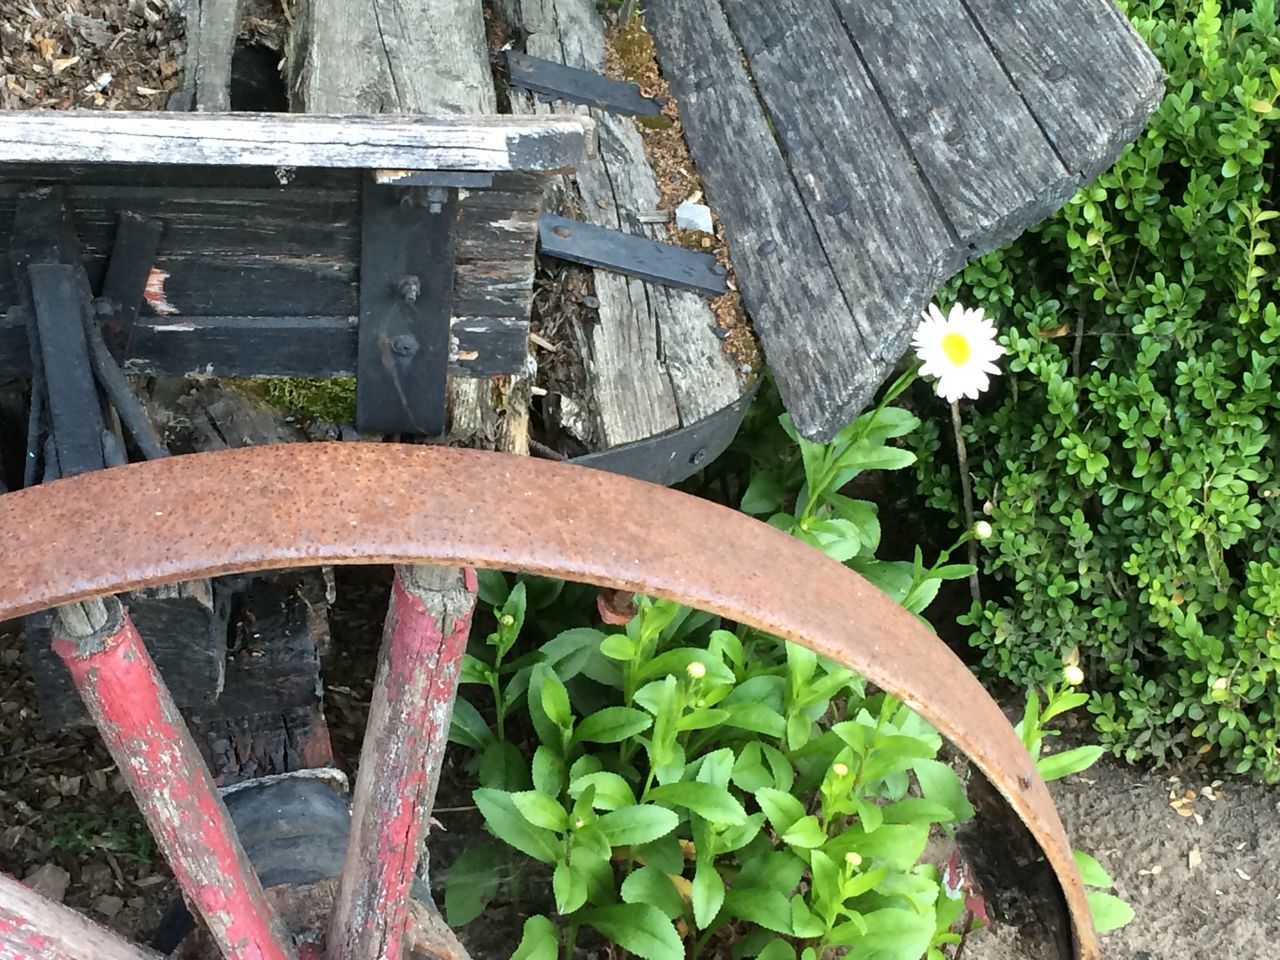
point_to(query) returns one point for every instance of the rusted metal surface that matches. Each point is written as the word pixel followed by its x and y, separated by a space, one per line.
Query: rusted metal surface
pixel 35 928
pixel 428 620
pixel 289 506
pixel 149 741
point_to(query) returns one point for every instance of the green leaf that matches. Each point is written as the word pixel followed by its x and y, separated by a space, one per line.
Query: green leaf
pixel 548 770
pixel 468 728
pixel 894 934
pixel 570 888
pixel 471 883
pixel 509 825
pixel 618 646
pixel 553 696
pixel 629 826
pixel 765 494
pixel 940 783
pixel 541 810
pixel 1109 912
pixel 540 941
pixel 1064 764
pixel 780 807
pixel 493 587
pixel 768 908
pixel 708 801
pixel 803 922
pixel 502 766
pixel 805 833
pixel 757 718
pixel 650 885
pixel 640 928
pixel 708 892
pixel 777 949
pixel 611 791
pixel 1091 871
pixel 612 725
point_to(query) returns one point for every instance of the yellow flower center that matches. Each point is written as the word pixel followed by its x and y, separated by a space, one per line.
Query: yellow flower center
pixel 956 348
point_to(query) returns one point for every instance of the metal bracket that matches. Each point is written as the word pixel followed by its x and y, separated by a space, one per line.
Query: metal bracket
pixel 406 300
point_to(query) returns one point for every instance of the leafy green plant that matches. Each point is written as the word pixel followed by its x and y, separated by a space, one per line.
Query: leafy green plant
pixel 119 831
pixel 1129 469
pixel 694 788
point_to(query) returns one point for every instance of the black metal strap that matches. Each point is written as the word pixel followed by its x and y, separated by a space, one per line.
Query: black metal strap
pixel 406 301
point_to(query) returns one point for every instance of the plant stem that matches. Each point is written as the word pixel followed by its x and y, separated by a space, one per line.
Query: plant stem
pixel 966 489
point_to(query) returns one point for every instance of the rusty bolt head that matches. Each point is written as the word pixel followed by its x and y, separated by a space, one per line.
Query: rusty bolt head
pixel 405 345
pixel 409 288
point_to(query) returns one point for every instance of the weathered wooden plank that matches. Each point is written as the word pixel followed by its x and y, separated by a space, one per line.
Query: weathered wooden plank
pixel 215 37
pixel 427 623
pixel 322 346
pixel 133 253
pixel 71 393
pixel 184 630
pixel 1085 74
pixel 553 79
pixel 32 926
pixel 825 371
pixel 653 362
pixel 406 292
pixel 961 117
pixel 489 143
pixel 630 255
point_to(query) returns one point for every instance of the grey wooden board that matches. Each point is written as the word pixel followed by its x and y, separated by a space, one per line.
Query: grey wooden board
pixel 481 143
pixel 626 253
pixel 219 21
pixel 789 288
pixel 900 141
pixel 554 79
pixel 1084 72
pixel 962 119
pixel 652 360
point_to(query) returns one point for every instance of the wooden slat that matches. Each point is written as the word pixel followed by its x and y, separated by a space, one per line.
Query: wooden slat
pixel 553 79
pixel 628 254
pixel 960 115
pixel 1084 72
pixel 653 361
pixel 488 143
pixel 824 370
pixel 219 21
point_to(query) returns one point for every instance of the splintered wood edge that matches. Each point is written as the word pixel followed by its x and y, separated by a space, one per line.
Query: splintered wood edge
pixel 481 143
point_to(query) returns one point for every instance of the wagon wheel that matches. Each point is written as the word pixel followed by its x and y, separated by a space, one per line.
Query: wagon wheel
pixel 245 510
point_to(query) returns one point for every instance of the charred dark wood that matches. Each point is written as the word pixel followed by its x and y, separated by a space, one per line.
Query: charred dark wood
pixel 185 632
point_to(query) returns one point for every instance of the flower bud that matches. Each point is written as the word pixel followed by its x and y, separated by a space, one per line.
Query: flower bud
pixel 697 670
pixel 1219 689
pixel 579 823
pixel 507 620
pixel 1073 675
pixel 853 859
pixel 840 769
pixel 982 530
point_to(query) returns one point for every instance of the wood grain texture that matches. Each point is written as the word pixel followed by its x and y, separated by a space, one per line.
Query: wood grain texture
pixel 215 43
pixel 35 928
pixel 428 620
pixel 961 117
pixel 1082 69
pixel 788 285
pixel 653 362
pixel 487 143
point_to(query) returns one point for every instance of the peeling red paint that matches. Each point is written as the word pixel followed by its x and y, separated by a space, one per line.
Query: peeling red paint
pixel 150 742
pixel 155 295
pixel 399 769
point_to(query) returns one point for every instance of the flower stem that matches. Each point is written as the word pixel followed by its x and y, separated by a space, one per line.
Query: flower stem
pixel 966 488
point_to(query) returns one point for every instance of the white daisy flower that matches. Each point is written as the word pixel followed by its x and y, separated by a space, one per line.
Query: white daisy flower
pixel 958 350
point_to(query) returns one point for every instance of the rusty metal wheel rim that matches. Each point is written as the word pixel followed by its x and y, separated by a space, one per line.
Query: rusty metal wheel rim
pixel 270 507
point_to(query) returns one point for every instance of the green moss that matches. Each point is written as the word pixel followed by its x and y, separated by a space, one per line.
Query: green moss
pixel 313 399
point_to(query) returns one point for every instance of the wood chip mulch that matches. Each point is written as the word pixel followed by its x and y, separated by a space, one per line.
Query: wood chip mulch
pixel 104 54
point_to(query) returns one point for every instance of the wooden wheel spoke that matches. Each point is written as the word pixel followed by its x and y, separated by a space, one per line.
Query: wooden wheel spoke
pixel 33 927
pixel 151 745
pixel 425 636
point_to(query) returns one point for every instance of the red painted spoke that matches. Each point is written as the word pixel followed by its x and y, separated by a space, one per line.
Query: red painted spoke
pixel 35 928
pixel 158 759
pixel 422 645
